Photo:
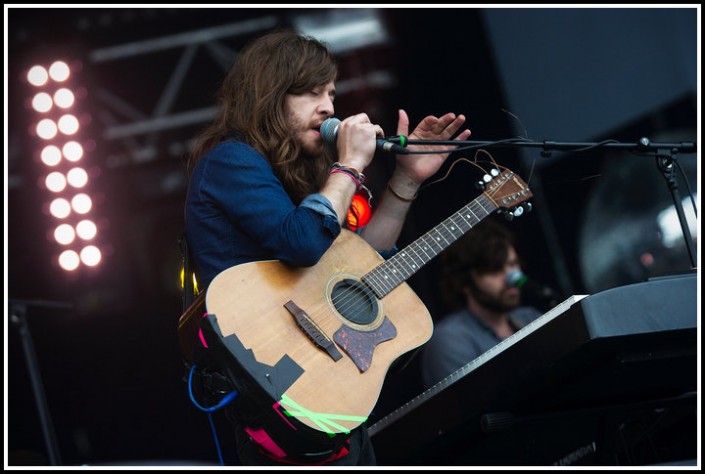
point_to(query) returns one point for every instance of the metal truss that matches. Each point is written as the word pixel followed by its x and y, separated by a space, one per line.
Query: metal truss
pixel 132 129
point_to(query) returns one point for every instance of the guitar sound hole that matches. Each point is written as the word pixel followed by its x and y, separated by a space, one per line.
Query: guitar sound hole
pixel 354 301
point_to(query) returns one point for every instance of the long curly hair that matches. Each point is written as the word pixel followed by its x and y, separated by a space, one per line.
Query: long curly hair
pixel 251 106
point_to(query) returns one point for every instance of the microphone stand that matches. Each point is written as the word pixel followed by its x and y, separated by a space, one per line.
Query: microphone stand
pixel 18 316
pixel 665 162
pixel 664 153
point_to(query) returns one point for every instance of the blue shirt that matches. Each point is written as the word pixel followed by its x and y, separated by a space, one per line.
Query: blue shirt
pixel 237 211
pixel 459 338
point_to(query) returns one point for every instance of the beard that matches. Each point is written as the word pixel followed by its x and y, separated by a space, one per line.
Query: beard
pixel 300 132
pixel 498 303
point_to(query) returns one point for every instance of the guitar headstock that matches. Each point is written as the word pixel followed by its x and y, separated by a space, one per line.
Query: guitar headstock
pixel 508 192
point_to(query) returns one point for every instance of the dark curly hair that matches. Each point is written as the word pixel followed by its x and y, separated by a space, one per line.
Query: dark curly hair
pixel 483 249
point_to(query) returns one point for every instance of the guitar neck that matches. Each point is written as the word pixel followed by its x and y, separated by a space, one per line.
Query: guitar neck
pixel 387 276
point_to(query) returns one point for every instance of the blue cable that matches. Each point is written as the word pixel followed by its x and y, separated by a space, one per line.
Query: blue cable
pixel 228 398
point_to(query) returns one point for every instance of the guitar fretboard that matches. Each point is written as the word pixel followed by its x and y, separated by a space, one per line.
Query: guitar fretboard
pixel 387 276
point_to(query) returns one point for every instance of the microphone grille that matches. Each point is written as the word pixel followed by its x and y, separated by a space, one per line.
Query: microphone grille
pixel 516 278
pixel 329 131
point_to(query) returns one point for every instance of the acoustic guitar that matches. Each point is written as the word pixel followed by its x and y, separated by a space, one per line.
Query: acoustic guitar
pixel 320 340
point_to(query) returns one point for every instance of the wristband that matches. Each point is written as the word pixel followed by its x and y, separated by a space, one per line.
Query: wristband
pixel 356 175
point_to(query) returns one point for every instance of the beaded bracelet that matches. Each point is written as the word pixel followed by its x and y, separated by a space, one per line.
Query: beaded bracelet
pixel 399 196
pixel 356 175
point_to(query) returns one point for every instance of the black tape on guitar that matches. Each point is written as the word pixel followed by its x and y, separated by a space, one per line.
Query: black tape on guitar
pixel 256 408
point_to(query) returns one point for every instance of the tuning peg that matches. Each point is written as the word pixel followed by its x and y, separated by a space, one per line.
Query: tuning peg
pixel 494 172
pixel 508 216
pixel 480 185
pixel 518 211
pixel 528 207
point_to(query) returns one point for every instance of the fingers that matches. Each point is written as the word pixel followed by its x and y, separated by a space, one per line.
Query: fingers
pixel 363 121
pixel 356 140
pixel 448 125
pixel 452 128
pixel 442 128
pixel 464 135
pixel 403 124
pixel 357 118
pixel 363 118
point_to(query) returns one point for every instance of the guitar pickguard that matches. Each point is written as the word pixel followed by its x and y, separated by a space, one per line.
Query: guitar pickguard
pixel 360 345
pixel 364 324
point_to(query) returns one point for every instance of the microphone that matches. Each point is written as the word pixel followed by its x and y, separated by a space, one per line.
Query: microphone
pixel 329 133
pixel 533 293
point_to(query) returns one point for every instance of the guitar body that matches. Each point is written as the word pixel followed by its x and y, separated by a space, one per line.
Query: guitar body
pixel 333 389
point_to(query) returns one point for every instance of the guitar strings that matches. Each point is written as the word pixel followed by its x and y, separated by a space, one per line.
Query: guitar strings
pixel 492 160
pixel 442 231
pixel 414 252
pixel 350 300
pixel 467 160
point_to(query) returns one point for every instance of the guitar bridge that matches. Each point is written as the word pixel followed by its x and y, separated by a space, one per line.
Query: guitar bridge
pixel 313 331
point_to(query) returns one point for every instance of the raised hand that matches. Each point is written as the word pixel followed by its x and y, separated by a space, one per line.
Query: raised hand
pixel 419 167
